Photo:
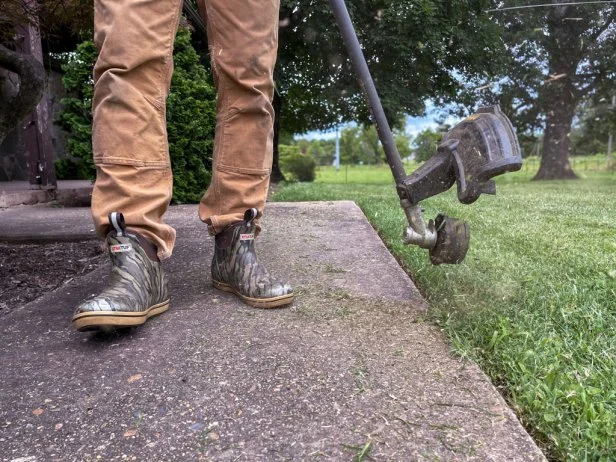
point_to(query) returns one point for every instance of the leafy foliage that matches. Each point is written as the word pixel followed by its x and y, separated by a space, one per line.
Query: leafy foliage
pixel 76 116
pixel 578 38
pixel 52 17
pixel 556 56
pixel 425 144
pixel 360 145
pixel 191 119
pixel 323 151
pixel 295 165
pixel 355 148
pixel 415 50
pixel 597 118
pixel 403 145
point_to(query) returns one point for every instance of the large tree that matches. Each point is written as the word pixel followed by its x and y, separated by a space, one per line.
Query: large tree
pixel 22 77
pixel 557 56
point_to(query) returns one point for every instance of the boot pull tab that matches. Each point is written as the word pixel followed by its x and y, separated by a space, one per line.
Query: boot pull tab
pixel 116 219
pixel 250 215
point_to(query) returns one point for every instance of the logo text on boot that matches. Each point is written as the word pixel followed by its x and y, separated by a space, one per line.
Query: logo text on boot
pixel 119 248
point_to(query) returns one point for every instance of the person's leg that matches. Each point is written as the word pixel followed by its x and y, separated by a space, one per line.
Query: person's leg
pixel 243 40
pixel 131 81
pixel 133 184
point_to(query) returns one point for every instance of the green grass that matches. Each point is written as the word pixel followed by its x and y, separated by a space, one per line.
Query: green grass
pixel 358 174
pixel 534 303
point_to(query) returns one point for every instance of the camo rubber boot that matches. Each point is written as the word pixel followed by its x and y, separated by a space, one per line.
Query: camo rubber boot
pixel 137 289
pixel 235 268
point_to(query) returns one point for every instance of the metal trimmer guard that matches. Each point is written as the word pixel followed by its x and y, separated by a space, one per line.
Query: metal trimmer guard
pixel 479 148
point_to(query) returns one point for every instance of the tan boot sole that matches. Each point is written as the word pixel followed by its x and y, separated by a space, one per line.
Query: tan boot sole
pixel 273 302
pixel 109 320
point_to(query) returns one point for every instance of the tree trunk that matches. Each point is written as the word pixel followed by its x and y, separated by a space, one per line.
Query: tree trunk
pixel 556 142
pixel 560 107
pixel 559 94
pixel 277 175
pixel 16 104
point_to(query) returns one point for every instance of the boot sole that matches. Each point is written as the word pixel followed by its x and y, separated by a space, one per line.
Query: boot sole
pixel 273 302
pixel 110 320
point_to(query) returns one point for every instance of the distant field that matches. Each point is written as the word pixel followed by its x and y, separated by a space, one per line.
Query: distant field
pixel 381 174
pixel 358 174
pixel 534 303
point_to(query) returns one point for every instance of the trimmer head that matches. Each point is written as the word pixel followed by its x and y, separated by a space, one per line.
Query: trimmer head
pixel 472 153
pixel 479 148
pixel 452 240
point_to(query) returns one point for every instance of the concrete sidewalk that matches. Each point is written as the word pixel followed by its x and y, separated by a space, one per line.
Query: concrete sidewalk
pixel 351 365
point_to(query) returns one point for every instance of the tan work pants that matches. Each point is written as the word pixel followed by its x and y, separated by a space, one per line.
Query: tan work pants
pixel 132 78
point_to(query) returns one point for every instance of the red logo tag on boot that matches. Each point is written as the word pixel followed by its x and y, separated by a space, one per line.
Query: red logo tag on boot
pixel 119 248
pixel 247 237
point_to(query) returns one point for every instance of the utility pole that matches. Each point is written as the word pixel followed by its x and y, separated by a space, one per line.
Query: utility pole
pixel 338 148
pixel 610 138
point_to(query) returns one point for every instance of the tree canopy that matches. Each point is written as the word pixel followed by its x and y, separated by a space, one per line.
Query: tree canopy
pixel 416 50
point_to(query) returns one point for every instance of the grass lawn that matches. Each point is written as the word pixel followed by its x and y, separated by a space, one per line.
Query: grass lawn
pixel 534 303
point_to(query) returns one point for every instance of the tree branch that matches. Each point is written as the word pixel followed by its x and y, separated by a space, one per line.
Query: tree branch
pixel 601 30
pixel 592 39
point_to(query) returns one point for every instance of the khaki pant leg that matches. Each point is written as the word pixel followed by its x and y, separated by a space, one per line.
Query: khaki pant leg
pixel 243 40
pixel 131 82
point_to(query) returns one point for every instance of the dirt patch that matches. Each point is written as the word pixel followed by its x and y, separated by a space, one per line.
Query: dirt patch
pixel 28 271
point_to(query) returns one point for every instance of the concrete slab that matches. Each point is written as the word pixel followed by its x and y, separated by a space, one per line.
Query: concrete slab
pixel 68 192
pixel 350 366
pixel 43 223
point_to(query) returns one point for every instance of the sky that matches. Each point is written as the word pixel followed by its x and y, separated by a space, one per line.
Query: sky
pixel 414 125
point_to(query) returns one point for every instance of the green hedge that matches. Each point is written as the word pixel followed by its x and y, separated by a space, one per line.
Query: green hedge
pixel 191 119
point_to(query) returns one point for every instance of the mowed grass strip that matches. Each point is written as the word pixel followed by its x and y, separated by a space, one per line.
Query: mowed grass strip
pixel 534 303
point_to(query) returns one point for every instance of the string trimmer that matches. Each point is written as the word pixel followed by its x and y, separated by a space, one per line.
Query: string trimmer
pixel 479 148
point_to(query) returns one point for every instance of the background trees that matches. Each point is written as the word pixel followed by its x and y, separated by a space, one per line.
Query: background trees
pixel 425 144
pixel 596 119
pixel 555 58
pixel 540 64
pixel 22 76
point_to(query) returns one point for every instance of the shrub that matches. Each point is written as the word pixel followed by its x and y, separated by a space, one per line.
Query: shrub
pixel 76 116
pixel 191 119
pixel 295 165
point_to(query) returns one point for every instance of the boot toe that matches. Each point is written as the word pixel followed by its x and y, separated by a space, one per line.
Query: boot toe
pixel 286 289
pixel 271 290
pixel 97 304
